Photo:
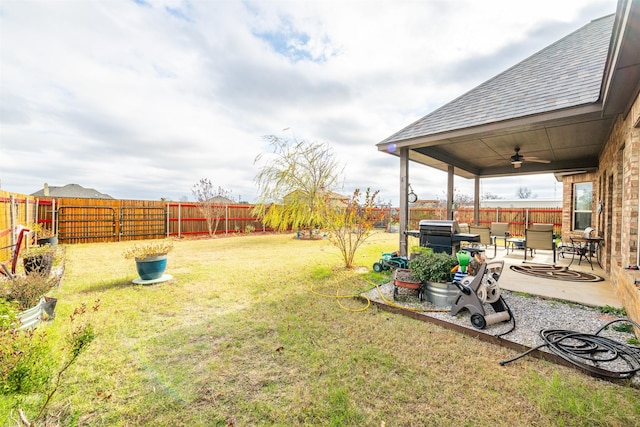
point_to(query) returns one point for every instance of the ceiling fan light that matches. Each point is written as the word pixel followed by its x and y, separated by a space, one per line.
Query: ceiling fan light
pixel 516 163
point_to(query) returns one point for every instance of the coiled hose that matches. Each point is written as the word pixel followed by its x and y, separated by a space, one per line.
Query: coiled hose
pixel 591 352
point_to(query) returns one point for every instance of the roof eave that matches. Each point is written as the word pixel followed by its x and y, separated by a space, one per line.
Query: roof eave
pixel 576 112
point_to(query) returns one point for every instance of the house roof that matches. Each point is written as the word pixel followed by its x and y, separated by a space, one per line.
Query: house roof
pixel 566 74
pixel 221 200
pixel 550 106
pixel 71 190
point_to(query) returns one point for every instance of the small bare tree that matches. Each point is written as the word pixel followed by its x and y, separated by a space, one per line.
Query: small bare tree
pixel 525 193
pixel 352 223
pixel 211 203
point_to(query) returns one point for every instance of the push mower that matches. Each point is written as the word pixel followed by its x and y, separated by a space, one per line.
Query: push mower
pixel 390 261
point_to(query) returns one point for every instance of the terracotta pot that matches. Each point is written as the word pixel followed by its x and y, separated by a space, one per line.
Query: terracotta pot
pixel 402 278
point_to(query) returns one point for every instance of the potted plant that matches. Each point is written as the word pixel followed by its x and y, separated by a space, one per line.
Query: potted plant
pixel 44 236
pixel 404 278
pixel 39 260
pixel 28 295
pixel 151 259
pixel 417 250
pixel 434 271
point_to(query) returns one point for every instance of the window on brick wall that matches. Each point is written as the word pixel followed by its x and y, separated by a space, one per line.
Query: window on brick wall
pixel 582 197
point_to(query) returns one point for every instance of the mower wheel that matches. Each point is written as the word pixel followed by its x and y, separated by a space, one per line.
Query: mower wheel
pixel 377 267
pixel 478 321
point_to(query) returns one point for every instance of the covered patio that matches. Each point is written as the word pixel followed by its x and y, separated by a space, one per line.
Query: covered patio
pixel 571 110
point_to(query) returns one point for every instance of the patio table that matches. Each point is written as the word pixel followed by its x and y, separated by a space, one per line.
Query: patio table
pixel 587 247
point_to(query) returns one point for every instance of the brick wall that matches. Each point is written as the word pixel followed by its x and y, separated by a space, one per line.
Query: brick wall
pixel 616 184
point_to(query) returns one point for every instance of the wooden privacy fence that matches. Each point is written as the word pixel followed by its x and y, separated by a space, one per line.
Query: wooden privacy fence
pixel 518 218
pixel 77 220
pixel 107 220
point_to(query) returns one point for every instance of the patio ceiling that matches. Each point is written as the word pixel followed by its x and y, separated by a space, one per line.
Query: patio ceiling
pixel 570 139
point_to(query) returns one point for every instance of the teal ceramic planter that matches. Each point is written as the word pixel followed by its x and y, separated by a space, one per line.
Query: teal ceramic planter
pixel 151 268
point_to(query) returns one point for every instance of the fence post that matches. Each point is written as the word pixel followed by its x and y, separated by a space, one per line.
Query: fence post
pixel 167 214
pixel 54 217
pixel 26 211
pixel 12 216
pixel 179 220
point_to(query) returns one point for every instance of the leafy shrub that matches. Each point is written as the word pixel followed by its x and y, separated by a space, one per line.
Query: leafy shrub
pixel 25 365
pixel 420 250
pixel 433 267
pixel 30 363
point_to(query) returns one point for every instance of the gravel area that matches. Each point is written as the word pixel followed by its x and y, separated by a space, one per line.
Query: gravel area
pixel 532 314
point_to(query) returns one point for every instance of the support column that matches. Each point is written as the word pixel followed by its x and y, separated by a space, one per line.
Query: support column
pixel 404 201
pixel 476 201
pixel 450 192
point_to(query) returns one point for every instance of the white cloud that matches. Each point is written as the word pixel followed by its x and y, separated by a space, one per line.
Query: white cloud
pixel 142 99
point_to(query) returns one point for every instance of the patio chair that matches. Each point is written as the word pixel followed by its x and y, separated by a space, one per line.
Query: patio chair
pixel 499 230
pixel 541 227
pixel 539 239
pixel 485 237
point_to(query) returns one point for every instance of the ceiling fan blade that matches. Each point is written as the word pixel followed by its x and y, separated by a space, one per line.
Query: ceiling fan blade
pixel 536 160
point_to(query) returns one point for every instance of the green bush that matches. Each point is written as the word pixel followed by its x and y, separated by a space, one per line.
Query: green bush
pixel 25 362
pixel 32 365
pixel 433 267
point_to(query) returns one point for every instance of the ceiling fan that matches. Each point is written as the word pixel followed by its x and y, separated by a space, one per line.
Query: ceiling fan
pixel 517 159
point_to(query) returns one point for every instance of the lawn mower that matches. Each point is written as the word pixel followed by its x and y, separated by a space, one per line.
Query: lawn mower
pixel 390 261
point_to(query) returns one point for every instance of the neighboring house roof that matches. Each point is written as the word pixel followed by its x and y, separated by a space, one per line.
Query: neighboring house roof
pixel 221 200
pixel 565 74
pixel 71 190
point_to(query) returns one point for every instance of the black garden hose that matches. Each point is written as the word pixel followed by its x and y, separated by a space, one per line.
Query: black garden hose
pixel 591 351
pixel 511 316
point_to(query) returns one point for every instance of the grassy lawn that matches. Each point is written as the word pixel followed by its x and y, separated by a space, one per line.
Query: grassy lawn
pixel 247 334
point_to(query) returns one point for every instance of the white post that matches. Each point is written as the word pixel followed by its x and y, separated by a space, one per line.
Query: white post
pixel 12 213
pixel 179 220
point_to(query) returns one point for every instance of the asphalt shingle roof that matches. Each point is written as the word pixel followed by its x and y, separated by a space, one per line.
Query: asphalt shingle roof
pixel 73 190
pixel 565 74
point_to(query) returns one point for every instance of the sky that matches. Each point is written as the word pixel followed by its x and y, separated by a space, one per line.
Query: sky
pixel 141 99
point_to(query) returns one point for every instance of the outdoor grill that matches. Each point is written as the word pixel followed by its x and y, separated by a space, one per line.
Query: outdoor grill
pixel 443 235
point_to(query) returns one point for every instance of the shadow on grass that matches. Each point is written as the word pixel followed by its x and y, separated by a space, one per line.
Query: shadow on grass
pixel 108 285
